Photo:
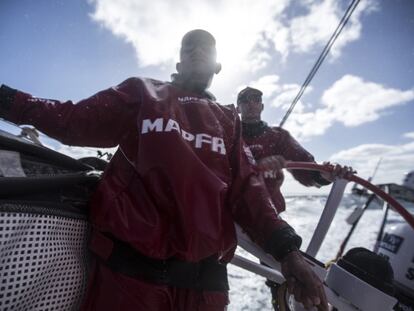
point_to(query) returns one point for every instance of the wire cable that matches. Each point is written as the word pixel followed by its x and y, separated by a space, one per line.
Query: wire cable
pixel 322 56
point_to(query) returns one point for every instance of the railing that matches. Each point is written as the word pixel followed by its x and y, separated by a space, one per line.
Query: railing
pixel 273 271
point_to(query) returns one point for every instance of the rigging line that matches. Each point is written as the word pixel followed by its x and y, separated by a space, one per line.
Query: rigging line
pixel 322 56
pixel 375 170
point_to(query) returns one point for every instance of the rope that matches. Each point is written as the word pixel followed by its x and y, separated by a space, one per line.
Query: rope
pixel 281 300
pixel 321 58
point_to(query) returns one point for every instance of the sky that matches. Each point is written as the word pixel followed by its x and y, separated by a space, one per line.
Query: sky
pixel 358 109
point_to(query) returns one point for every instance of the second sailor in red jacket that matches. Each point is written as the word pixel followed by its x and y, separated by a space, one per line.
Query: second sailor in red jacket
pixel 271 146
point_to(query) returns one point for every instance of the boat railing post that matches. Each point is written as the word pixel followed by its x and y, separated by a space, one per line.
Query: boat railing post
pixel 328 213
pixel 385 209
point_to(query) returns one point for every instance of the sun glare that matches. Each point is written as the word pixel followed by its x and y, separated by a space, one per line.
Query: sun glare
pixel 236 42
pixel 237 25
pixel 237 28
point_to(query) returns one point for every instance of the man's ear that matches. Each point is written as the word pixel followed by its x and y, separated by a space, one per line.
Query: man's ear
pixel 238 109
pixel 178 67
pixel 262 107
pixel 218 68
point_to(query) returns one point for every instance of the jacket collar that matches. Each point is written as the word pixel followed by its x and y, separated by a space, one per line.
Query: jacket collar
pixel 252 130
pixel 177 81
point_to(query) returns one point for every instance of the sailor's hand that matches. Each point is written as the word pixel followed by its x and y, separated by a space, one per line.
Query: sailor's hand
pixel 303 283
pixel 272 163
pixel 338 171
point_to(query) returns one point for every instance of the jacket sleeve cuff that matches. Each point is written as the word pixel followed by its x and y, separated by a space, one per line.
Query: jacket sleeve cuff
pixel 283 241
pixel 7 95
pixel 317 177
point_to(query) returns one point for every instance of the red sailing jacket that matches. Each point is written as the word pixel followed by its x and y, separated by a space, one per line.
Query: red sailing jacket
pixel 180 177
pixel 266 141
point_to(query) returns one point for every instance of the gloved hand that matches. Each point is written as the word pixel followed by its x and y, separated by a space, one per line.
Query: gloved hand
pixel 338 171
pixel 302 282
pixel 271 163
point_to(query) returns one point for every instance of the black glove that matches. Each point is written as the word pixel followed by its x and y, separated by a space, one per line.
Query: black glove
pixel 282 242
pixel 317 177
pixel 7 95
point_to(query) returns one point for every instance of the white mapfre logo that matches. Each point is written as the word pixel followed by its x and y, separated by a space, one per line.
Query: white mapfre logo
pixel 190 99
pixel 42 100
pixel 158 125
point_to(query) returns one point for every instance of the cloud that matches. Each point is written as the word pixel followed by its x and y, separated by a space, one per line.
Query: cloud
pixel 396 161
pixel 155 28
pixel 269 85
pixel 350 101
pixel 277 94
pixel 354 101
pixel 310 31
pixel 247 32
pixel 409 135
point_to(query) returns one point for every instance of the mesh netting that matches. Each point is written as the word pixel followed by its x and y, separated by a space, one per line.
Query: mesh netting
pixel 43 258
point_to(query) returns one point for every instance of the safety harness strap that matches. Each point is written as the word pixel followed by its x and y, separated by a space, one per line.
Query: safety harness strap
pixel 207 274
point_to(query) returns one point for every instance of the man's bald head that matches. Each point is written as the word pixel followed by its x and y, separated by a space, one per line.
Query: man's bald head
pixel 197 37
pixel 198 64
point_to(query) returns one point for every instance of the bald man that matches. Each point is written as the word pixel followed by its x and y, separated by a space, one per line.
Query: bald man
pixel 163 214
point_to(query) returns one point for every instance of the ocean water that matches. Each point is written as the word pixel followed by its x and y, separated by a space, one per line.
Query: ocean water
pixel 249 292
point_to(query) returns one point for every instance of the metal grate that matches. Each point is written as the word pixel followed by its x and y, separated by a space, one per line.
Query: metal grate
pixel 43 259
pixel 34 167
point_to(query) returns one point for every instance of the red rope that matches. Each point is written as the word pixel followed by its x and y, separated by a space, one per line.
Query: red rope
pixel 386 197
